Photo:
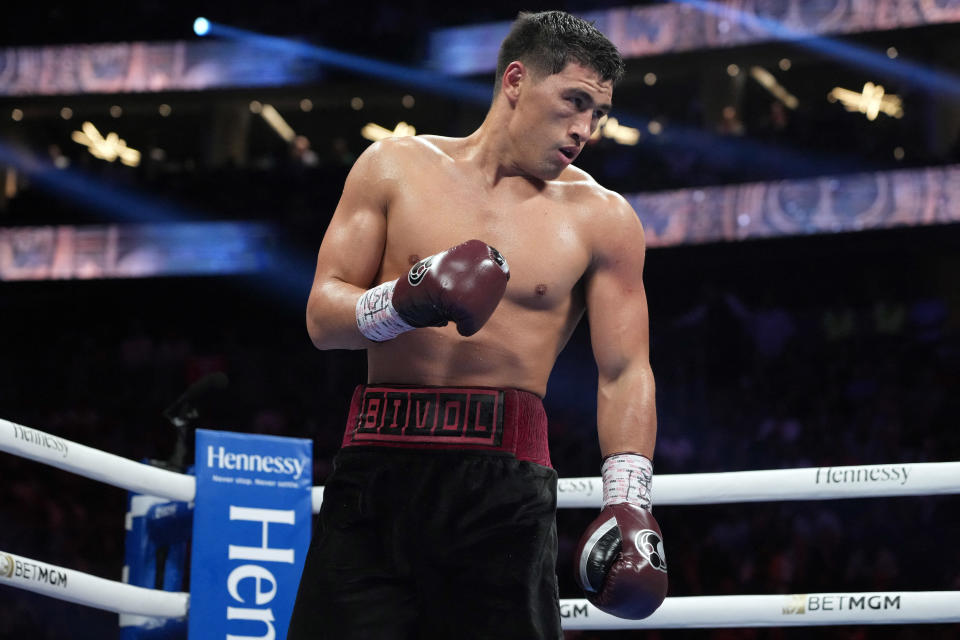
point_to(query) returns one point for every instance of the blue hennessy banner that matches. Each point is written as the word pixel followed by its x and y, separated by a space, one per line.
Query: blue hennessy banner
pixel 251 530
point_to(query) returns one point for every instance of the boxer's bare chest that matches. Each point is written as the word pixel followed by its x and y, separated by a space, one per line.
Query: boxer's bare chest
pixel 539 231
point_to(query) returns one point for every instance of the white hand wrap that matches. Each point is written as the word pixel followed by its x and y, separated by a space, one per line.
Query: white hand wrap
pixel 376 317
pixel 627 478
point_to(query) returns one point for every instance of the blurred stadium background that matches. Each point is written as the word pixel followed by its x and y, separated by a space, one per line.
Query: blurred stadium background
pixel 796 165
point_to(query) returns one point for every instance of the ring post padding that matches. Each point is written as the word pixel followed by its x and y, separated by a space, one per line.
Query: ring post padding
pixel 812 609
pixel 812 483
pixel 83 588
pixel 93 463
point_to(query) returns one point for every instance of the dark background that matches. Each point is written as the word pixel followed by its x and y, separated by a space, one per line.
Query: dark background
pixel 816 351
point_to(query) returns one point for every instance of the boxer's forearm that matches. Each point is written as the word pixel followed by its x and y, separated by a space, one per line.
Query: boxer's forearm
pixel 626 412
pixel 463 285
pixel 332 315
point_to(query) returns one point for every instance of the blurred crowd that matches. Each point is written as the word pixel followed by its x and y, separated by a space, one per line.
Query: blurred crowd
pixel 743 389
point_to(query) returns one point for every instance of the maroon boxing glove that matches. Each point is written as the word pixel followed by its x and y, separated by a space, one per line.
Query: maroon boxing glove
pixel 621 565
pixel 464 284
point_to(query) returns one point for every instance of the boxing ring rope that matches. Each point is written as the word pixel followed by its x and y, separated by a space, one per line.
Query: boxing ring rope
pixel 710 612
pixel 810 483
pixel 815 483
pixel 83 588
pixel 93 463
pixel 691 612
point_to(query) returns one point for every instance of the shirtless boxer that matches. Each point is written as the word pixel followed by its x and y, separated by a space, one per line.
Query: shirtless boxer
pixel 462 266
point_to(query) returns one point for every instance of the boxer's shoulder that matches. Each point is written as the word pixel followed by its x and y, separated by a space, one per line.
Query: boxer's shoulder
pixel 609 223
pixel 398 154
pixel 600 204
pixel 580 188
pixel 425 148
pixel 388 166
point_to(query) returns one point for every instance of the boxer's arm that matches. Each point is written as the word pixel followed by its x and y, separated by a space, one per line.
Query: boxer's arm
pixel 351 253
pixel 620 559
pixel 619 332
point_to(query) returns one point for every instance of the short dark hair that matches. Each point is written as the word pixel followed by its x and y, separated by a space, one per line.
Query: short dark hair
pixel 548 41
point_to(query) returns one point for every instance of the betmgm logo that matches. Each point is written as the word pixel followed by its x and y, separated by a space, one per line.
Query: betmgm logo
pixel 795 605
pixel 22 570
pixel 574 610
pixel 804 603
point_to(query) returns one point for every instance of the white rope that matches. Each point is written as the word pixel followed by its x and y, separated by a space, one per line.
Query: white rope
pixel 817 483
pixel 897 607
pixel 93 463
pixel 83 588
pixel 812 483
pixel 800 610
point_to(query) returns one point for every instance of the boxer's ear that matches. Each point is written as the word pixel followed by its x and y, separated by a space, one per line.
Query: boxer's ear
pixel 514 77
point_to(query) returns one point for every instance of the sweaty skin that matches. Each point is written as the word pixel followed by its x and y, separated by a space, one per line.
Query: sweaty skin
pixel 572 247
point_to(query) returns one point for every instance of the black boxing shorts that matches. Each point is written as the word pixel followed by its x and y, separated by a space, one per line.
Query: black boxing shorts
pixel 438 521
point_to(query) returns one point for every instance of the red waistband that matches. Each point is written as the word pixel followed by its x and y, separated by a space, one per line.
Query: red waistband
pixel 457 418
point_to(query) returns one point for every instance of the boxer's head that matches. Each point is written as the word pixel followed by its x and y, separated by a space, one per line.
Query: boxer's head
pixel 546 42
pixel 556 72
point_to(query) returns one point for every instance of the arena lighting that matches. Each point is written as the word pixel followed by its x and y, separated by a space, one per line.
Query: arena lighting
pixel 611 128
pixel 284 278
pixel 712 148
pixel 10 183
pixel 720 151
pixel 766 79
pixel 909 73
pixel 277 123
pixel 621 133
pixel 871 102
pixel 374 132
pixel 108 148
pixel 201 26
pixel 409 77
pixel 123 205
pixel 715 149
